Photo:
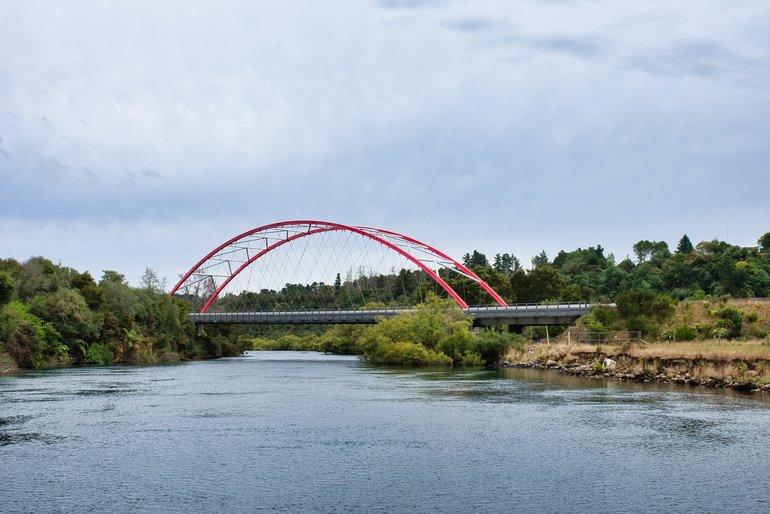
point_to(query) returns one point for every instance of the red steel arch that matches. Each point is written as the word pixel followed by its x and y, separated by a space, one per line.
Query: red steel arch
pixel 233 256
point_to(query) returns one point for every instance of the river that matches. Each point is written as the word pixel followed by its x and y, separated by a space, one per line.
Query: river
pixel 306 432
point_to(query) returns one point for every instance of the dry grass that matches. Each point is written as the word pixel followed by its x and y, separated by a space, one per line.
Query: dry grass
pixel 704 350
pixel 702 361
pixel 707 350
pixel 699 311
pixel 741 361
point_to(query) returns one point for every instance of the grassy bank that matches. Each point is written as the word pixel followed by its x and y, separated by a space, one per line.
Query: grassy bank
pixel 741 365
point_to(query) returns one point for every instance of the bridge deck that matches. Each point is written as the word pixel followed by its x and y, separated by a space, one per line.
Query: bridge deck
pixel 522 315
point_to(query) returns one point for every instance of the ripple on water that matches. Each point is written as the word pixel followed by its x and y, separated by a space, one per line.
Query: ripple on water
pixel 10 433
pixel 103 392
pixel 8 438
pixel 13 420
pixel 293 437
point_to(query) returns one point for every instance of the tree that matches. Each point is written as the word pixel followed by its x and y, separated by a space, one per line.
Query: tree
pixel 764 242
pixel 506 263
pixel 93 293
pixel 656 250
pixel 475 259
pixel 545 283
pixel 542 283
pixel 69 314
pixel 6 287
pixel 540 259
pixel 150 280
pixel 643 249
pixel 685 245
pixel 497 280
pixel 39 275
pixel 113 276
pixel 714 247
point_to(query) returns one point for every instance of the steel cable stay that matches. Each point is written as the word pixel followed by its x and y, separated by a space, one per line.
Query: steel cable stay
pixel 383 266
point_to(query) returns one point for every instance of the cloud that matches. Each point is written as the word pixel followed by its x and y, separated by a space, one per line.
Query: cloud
pixel 403 114
pixel 586 47
pixel 489 33
pixel 474 25
pixel 702 58
pixel 409 4
pixel 53 169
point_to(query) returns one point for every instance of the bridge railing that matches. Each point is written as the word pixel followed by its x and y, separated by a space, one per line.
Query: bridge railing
pixel 396 310
pixel 534 306
pixel 307 311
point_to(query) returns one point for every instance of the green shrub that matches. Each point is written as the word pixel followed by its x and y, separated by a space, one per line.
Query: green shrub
pixel 458 345
pixel 604 317
pixel 730 319
pixel 719 333
pixel 492 345
pixel 260 344
pixel 643 324
pixel 406 354
pixel 99 354
pixel 647 303
pixel 685 333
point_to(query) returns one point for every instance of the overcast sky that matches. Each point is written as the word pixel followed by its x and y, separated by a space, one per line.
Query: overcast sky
pixel 140 134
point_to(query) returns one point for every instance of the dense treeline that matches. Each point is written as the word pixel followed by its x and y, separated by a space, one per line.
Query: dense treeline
pixel 52 315
pixel 405 288
pixel 646 289
pixel 710 269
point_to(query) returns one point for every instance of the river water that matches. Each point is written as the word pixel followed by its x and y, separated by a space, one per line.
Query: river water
pixel 306 432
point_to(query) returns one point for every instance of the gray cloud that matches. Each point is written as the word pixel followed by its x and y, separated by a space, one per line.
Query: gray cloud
pixel 153 174
pixel 703 58
pixel 582 47
pixel 409 4
pixel 490 33
pixel 53 169
pixel 475 25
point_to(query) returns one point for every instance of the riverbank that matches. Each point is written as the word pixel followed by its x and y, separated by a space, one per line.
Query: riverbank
pixel 738 365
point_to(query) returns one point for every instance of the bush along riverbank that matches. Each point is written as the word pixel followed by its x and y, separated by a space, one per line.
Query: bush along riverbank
pixel 54 316
pixel 435 333
pixel 742 366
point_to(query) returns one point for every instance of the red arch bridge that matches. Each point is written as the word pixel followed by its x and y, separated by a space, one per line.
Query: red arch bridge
pixel 292 272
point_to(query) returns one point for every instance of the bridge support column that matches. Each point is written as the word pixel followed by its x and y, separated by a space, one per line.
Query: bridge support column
pixel 199 329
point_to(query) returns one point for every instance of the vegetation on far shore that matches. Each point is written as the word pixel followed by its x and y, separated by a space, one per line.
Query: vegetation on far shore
pixel 51 315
